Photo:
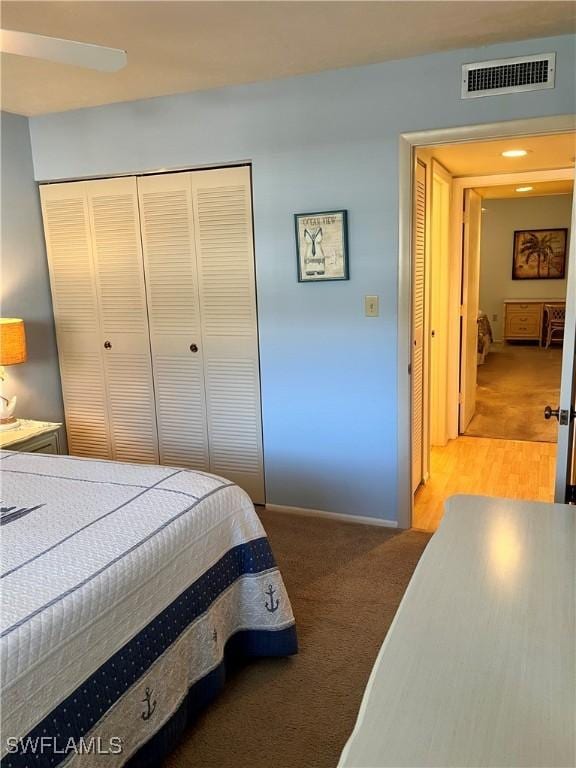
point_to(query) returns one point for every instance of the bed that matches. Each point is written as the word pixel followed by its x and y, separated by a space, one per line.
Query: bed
pixel 125 590
pixel 485 336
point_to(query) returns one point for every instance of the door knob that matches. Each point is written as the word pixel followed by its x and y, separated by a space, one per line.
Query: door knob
pixel 193 347
pixel 107 345
pixel 549 412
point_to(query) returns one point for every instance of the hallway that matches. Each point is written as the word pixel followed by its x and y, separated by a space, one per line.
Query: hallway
pixel 485 466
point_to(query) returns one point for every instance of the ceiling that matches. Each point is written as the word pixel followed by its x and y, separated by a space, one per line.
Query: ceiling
pixel 540 189
pixel 485 157
pixel 175 47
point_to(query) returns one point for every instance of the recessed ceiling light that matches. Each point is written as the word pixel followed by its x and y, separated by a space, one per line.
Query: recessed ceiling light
pixel 524 189
pixel 515 153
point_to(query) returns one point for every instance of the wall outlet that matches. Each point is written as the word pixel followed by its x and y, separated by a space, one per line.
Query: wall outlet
pixel 494 318
pixel 371 306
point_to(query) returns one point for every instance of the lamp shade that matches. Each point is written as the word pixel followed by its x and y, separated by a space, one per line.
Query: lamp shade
pixel 12 341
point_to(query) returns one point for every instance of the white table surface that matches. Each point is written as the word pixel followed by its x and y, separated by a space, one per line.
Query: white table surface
pixel 478 668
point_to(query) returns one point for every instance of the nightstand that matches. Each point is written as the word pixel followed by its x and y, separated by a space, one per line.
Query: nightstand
pixel 32 437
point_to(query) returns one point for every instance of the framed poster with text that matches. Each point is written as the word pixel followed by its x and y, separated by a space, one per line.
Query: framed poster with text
pixel 322 246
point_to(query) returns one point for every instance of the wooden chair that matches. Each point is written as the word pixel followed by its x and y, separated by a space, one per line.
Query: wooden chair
pixel 554 317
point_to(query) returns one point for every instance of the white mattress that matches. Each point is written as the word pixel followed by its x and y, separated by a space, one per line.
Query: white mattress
pixel 92 551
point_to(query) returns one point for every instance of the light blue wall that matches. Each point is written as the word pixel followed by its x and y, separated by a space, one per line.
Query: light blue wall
pixel 24 288
pixel 318 142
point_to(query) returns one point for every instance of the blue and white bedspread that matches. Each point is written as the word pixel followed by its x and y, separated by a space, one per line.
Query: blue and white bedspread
pixel 121 586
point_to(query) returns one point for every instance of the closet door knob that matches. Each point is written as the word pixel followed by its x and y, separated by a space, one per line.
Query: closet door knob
pixel 107 345
pixel 193 347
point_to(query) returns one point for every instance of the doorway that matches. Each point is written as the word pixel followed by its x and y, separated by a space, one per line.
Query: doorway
pixel 452 394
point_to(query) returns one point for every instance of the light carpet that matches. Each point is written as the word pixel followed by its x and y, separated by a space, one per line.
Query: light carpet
pixel 515 384
pixel 345 582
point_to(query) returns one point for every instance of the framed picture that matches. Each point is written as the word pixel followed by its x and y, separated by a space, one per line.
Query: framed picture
pixel 539 254
pixel 322 246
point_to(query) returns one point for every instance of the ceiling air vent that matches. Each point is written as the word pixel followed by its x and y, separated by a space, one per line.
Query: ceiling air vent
pixel 527 73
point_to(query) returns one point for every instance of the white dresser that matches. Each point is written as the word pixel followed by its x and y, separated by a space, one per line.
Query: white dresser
pixel 524 318
pixel 478 668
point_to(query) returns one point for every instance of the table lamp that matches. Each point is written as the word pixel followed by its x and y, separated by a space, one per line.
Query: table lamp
pixel 12 351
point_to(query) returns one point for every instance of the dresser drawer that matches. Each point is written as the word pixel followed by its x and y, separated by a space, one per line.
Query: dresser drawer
pixel 43 444
pixel 523 326
pixel 524 310
pixel 523 320
pixel 528 306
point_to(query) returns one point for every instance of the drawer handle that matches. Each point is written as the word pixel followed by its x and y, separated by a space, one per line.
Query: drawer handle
pixel 107 345
pixel 193 347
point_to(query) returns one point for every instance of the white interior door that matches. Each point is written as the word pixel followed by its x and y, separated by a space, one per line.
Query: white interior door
pixel 125 342
pixel 470 301
pixel 418 323
pixel 174 310
pixel 439 302
pixel 566 453
pixel 77 318
pixel 225 256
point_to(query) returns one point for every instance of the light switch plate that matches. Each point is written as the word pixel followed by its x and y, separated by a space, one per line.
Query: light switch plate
pixel 371 306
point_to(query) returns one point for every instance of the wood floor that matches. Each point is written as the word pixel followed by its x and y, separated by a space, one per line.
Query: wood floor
pixel 485 466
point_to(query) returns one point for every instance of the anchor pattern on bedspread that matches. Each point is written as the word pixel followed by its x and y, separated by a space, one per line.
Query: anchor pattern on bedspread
pixel 273 606
pixel 150 705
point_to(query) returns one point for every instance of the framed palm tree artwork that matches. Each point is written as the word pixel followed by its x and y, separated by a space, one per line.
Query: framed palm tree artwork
pixel 539 254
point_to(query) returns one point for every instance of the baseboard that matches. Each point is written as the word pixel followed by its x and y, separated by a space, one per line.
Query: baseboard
pixel 333 516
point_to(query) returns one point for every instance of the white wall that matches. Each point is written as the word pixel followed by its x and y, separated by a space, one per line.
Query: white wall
pixel 319 142
pixel 25 290
pixel 499 221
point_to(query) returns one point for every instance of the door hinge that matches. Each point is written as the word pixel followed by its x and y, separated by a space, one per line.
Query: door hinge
pixel 460 398
pixel 462 309
pixel 571 494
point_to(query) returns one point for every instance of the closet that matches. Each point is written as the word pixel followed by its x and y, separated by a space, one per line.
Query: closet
pixel 153 289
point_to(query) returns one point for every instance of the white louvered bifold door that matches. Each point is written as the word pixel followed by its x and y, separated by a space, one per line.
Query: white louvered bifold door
pixel 174 312
pixel 76 314
pixel 418 308
pixel 225 253
pixel 125 342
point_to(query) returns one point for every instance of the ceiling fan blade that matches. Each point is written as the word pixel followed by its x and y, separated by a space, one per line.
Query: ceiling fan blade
pixel 63 51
